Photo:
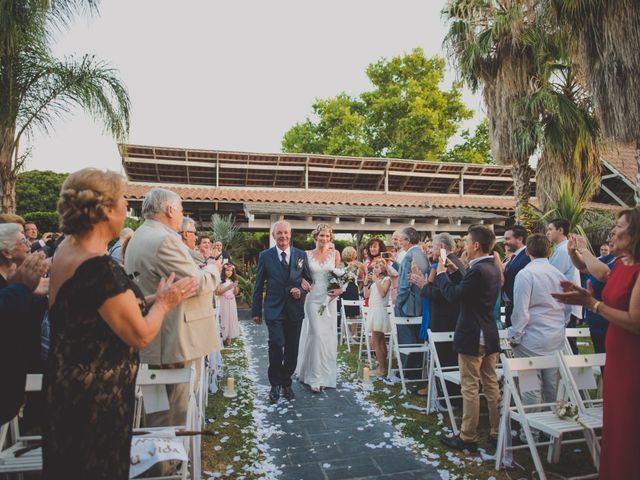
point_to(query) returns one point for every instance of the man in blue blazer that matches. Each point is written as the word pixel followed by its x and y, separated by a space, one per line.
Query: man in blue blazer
pixel 283 268
pixel 515 239
pixel 476 336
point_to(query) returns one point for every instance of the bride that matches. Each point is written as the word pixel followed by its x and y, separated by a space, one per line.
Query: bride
pixel 317 360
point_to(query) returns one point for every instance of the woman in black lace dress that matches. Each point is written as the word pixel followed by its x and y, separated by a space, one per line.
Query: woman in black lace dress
pixel 99 320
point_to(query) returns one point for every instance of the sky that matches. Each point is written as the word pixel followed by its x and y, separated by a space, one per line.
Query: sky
pixel 233 75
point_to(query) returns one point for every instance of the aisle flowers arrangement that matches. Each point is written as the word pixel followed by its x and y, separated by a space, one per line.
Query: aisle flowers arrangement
pixel 339 277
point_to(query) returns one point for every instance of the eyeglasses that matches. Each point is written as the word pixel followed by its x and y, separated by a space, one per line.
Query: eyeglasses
pixel 187 231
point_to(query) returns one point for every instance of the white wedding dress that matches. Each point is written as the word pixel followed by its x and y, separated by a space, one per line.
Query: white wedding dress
pixel 318 352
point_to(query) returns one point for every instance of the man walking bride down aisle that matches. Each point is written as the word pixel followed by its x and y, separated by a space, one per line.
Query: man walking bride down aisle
pixel 289 274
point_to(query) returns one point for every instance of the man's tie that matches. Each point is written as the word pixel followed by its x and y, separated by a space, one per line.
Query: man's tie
pixel 284 262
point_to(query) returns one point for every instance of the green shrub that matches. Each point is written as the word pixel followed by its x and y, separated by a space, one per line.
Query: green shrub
pixel 45 221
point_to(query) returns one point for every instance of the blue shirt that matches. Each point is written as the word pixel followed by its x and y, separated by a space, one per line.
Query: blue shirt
pixel 597 323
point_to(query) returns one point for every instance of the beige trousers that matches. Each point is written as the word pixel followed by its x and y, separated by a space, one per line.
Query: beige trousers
pixel 474 370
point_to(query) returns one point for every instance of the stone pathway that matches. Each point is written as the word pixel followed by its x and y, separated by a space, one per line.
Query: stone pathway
pixel 329 435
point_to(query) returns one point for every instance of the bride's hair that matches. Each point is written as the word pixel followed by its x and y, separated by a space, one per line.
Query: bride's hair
pixel 321 227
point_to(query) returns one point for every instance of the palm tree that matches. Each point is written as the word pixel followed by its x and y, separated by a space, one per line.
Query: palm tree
pixel 606 37
pixel 487 40
pixel 564 126
pixel 36 88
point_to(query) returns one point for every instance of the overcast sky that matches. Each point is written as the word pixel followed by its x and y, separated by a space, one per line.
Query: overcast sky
pixel 232 75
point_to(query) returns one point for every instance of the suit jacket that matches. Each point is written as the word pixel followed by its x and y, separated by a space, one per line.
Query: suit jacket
pixel 511 270
pixel 278 299
pixel 443 314
pixel 408 299
pixel 476 293
pixel 190 329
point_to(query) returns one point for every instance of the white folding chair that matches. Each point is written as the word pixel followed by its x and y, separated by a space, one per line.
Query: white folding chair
pixel 31 459
pixel 442 375
pixel 396 349
pixel 578 377
pixel 186 376
pixel 574 333
pixel 539 416
pixel 346 336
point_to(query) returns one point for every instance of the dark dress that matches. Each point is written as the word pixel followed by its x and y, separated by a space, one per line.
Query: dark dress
pixel 90 381
pixel 619 458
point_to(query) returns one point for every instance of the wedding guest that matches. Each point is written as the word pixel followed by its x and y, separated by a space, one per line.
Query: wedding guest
pixel 375 248
pixel 116 251
pixel 226 293
pixel 597 274
pixel 443 314
pixel 188 233
pixel 205 246
pixel 349 257
pixel 476 336
pixel 408 299
pixel 538 319
pixel 224 255
pixel 190 330
pixel 15 301
pixel 99 320
pixel 515 239
pixel 377 290
pixel 620 306
pixel 557 232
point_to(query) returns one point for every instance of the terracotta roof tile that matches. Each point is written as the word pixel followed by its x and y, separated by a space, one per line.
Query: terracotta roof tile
pixel 622 158
pixel 137 191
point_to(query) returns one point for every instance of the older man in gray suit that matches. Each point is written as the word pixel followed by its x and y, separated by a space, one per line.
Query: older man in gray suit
pixel 408 299
pixel 189 331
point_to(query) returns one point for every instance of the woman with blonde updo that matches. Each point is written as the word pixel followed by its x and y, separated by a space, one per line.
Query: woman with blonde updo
pixel 350 257
pixel 99 321
pixel 318 352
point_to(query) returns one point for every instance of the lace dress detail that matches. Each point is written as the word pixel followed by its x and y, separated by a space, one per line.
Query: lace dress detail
pixel 317 358
pixel 90 380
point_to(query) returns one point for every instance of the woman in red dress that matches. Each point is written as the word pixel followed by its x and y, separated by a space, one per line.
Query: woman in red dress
pixel 620 305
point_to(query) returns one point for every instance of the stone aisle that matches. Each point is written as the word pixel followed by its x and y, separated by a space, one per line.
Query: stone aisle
pixel 329 435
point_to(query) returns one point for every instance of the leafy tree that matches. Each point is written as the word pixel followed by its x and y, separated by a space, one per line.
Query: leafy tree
pixel 36 88
pixel 38 191
pixel 45 221
pixel 340 129
pixel 406 115
pixel 475 148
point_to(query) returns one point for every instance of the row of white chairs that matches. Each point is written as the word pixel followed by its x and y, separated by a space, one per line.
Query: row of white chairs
pixel 31 461
pixel 576 379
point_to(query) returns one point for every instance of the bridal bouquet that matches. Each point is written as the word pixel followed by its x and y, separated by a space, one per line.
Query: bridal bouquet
pixel 339 277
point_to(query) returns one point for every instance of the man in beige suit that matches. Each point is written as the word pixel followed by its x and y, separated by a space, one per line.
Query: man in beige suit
pixel 189 331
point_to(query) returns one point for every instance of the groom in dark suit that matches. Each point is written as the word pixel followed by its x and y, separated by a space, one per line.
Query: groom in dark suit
pixel 515 239
pixel 284 268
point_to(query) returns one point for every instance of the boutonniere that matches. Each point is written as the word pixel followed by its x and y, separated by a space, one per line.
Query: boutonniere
pixel 299 264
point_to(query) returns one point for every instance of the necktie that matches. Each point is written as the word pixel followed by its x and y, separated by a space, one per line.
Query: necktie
pixel 284 262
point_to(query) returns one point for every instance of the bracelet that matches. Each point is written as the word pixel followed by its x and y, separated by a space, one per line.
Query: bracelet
pixel 595 306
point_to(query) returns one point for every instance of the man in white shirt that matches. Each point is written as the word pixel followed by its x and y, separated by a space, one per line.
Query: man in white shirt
pixel 538 320
pixel 557 232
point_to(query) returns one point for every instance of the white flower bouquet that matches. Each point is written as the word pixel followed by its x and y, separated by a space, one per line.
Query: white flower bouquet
pixel 339 278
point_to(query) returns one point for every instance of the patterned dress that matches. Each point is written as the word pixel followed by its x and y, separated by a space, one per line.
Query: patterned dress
pixel 90 379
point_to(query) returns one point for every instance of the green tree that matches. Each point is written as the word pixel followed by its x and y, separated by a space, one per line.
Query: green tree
pixel 475 148
pixel 606 42
pixel 36 88
pixel 339 129
pixel 38 191
pixel 406 115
